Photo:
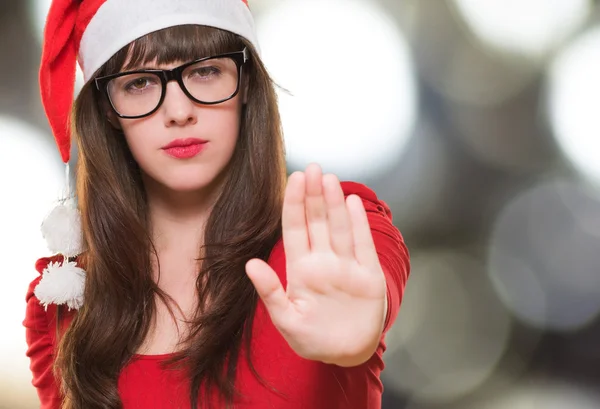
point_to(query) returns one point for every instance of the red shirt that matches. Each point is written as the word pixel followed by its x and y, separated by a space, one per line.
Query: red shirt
pixel 301 383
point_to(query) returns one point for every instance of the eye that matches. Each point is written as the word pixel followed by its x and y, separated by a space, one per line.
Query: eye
pixel 204 72
pixel 139 84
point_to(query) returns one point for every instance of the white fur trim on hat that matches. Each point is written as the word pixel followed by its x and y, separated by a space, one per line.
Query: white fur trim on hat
pixel 118 23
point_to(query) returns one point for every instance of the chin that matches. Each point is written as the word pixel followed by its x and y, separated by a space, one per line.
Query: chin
pixel 184 180
pixel 187 186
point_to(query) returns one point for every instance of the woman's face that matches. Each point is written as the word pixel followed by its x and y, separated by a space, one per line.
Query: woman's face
pixel 212 131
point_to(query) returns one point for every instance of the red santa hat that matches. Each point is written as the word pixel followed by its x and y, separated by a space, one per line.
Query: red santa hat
pixel 91 32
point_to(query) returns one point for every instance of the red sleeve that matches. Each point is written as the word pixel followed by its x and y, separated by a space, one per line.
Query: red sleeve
pixel 40 333
pixel 393 254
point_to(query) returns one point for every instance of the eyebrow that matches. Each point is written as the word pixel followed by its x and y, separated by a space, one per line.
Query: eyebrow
pixel 146 66
pixel 138 68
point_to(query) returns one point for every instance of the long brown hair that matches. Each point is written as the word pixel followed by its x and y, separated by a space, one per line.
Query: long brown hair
pixel 120 292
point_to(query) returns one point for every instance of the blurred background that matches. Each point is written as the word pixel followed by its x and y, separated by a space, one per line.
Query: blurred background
pixel 477 121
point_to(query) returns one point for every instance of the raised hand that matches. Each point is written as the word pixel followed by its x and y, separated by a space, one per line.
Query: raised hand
pixel 334 306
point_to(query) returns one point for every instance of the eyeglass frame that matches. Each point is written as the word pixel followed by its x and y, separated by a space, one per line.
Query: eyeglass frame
pixel 175 74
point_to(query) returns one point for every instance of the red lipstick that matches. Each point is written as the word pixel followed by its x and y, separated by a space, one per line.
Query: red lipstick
pixel 185 148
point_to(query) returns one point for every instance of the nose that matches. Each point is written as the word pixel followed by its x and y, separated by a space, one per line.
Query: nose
pixel 178 108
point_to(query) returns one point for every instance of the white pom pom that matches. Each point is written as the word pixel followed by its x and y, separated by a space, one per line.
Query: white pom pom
pixel 61 283
pixel 62 230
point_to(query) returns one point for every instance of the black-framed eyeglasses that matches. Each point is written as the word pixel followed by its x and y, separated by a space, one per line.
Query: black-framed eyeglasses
pixel 209 81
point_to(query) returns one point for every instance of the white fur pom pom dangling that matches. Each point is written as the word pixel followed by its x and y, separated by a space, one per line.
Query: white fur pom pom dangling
pixel 62 230
pixel 61 283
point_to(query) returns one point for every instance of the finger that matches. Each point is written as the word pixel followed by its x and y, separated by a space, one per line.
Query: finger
pixel 293 220
pixel 340 226
pixel 269 288
pixel 364 246
pixel 316 210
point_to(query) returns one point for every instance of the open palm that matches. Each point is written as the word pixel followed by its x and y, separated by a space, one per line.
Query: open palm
pixel 334 303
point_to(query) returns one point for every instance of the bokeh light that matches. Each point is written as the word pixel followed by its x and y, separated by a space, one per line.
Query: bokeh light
pixel 420 181
pixel 573 101
pixel 353 102
pixel 529 28
pixel 533 394
pixel 543 257
pixel 547 395
pixel 454 329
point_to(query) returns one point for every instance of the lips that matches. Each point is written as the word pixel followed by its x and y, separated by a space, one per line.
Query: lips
pixel 185 148
pixel 184 143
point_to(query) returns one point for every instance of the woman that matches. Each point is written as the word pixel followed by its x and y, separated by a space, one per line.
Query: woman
pixel 202 280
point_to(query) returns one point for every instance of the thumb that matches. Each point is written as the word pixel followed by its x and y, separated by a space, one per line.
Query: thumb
pixel 269 288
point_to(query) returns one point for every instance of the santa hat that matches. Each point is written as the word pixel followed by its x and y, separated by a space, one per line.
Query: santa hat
pixel 91 32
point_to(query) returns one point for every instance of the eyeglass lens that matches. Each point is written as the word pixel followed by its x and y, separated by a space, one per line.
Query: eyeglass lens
pixel 207 81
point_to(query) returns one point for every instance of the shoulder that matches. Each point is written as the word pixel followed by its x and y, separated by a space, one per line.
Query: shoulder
pixel 355 188
pixel 369 198
pixel 60 282
pixel 38 317
pixel 41 302
pixel 36 312
pixel 40 335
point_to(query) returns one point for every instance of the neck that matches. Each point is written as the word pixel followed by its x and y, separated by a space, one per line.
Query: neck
pixel 177 219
